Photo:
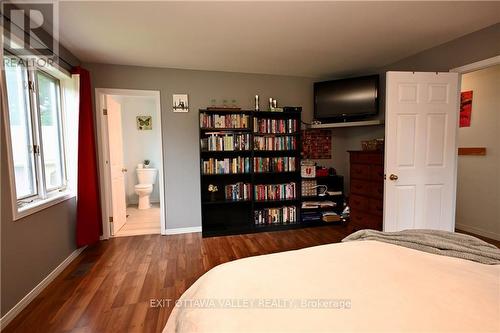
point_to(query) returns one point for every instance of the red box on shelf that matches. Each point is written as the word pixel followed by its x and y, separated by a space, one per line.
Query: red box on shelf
pixel 321 172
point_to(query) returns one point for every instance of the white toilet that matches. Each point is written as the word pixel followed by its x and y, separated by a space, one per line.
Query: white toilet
pixel 146 177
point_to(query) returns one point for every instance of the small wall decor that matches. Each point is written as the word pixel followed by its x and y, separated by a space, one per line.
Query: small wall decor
pixel 465 108
pixel 317 144
pixel 180 102
pixel 144 123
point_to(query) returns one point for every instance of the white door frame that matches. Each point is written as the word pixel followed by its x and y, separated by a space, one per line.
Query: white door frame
pixel 103 151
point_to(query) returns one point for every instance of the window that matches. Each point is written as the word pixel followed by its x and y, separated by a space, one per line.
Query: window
pixel 37 136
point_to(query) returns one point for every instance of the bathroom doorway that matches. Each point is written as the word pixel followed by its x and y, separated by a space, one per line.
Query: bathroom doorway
pixel 131 162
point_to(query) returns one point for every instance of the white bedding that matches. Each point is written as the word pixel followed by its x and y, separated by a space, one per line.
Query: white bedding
pixel 388 288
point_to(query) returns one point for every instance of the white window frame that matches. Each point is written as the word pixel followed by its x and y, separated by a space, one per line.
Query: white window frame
pixel 43 199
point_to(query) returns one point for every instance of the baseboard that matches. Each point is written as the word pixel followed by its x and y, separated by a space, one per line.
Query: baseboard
pixel 177 231
pixel 478 231
pixel 7 318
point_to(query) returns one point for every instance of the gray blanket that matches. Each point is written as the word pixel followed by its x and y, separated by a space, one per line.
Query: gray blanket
pixel 444 243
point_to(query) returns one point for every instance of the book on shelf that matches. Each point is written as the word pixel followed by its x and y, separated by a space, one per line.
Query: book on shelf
pixel 311 216
pixel 281 215
pixel 318 204
pixel 274 143
pixel 330 217
pixel 226 142
pixel 238 191
pixel 274 164
pixel 224 121
pixel 275 191
pixel 214 166
pixel 275 126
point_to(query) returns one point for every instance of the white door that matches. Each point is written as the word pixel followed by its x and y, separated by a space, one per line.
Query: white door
pixel 421 152
pixel 116 167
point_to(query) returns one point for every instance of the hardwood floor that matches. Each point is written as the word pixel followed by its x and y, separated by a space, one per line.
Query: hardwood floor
pixel 109 287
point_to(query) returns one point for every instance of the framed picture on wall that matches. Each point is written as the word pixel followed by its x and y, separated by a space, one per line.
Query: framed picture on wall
pixel 144 123
pixel 180 102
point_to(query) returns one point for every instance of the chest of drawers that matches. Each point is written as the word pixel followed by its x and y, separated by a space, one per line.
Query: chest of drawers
pixel 367 189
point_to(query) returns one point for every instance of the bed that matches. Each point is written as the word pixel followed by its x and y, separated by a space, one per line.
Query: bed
pixel 343 287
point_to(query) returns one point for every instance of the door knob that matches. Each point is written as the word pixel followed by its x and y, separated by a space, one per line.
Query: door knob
pixel 393 177
pixel 124 170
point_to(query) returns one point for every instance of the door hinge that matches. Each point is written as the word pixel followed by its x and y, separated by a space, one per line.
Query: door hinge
pixel 31 86
pixel 105 112
pixel 111 219
pixel 36 149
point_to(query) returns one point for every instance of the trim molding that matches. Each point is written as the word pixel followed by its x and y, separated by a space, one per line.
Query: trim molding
pixel 177 231
pixel 23 303
pixel 477 65
pixel 478 231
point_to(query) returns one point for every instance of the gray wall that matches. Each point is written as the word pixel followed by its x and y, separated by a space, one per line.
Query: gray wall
pixel 476 46
pixel 33 246
pixel 180 130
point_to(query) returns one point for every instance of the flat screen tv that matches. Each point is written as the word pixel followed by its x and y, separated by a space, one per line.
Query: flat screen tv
pixel 347 99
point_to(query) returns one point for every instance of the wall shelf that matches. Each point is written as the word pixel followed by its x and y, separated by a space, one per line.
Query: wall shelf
pixel 349 124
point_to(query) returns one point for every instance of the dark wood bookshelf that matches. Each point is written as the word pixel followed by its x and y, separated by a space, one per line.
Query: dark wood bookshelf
pixel 223 217
pixel 333 183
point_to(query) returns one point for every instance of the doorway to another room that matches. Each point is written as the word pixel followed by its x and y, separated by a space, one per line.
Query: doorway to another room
pixel 130 147
pixel 478 191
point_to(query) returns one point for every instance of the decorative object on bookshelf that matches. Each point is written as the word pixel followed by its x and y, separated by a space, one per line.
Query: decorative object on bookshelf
pixel 257 103
pixel 322 189
pixel 307 169
pixel 223 108
pixel 144 123
pixel 317 144
pixel 309 188
pixel 212 189
pixel 180 102
pixel 321 171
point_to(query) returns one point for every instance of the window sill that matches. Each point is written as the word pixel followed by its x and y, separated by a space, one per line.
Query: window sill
pixel 42 204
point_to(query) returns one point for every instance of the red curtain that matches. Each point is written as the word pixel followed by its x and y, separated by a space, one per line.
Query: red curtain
pixel 88 207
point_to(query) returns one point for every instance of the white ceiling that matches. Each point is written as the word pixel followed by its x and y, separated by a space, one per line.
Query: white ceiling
pixel 312 39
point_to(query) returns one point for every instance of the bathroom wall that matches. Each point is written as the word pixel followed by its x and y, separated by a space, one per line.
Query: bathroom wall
pixel 139 145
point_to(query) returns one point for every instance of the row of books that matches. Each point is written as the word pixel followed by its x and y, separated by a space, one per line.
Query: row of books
pixel 224 121
pixel 213 166
pixel 274 164
pixel 228 142
pixel 281 215
pixel 238 191
pixel 275 126
pixel 275 191
pixel 275 143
